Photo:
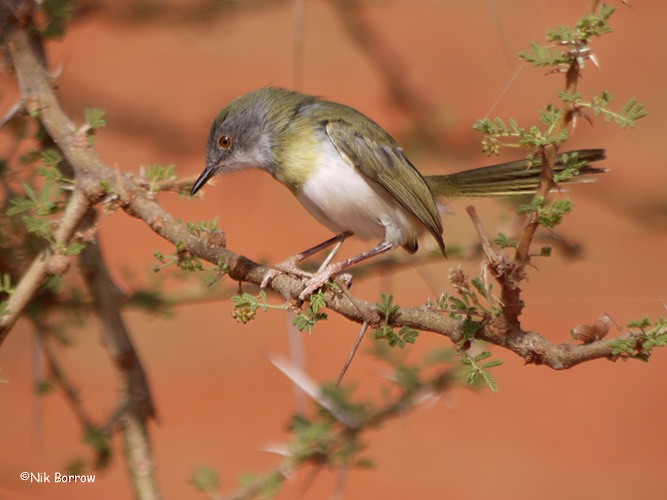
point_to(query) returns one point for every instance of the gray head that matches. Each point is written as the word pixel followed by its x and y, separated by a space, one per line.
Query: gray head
pixel 244 133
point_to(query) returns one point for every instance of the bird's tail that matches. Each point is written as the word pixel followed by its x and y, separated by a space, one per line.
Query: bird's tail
pixel 517 177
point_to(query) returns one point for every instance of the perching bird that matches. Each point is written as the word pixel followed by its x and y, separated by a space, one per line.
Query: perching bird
pixel 350 174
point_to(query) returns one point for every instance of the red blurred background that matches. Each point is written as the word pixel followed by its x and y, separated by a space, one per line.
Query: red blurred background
pixel 595 431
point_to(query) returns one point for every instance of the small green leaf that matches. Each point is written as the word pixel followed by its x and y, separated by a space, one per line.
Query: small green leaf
pixel 57 13
pixel 492 364
pixel 478 283
pixel 39 227
pixel 470 328
pixel 490 381
pixel 503 241
pixel 156 172
pixel 51 157
pixel 206 479
pixel 482 356
pixel 6 284
pixel 622 346
pixel 552 216
pixel 643 323
pixel 95 118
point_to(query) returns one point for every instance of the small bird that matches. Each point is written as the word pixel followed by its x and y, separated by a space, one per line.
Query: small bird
pixel 350 174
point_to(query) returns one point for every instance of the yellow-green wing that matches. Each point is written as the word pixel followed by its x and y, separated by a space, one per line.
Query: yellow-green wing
pixel 383 162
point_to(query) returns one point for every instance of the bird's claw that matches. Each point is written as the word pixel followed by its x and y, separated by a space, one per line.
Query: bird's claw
pixel 320 278
pixel 286 267
pixel 314 281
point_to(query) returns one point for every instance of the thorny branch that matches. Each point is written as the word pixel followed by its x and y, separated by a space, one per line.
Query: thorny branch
pixel 348 426
pixel 97 184
pixel 31 282
pixel 91 173
pixel 135 407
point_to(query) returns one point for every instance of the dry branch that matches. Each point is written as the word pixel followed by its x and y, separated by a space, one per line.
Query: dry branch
pixel 92 175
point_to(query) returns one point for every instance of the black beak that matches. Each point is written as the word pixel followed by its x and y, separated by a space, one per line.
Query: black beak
pixel 208 172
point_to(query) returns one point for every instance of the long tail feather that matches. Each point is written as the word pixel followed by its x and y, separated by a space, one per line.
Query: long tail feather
pixel 517 177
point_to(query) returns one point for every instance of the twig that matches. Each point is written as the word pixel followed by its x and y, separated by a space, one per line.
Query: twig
pixel 522 255
pixel 71 394
pixel 59 376
pixel 403 403
pixel 134 398
pixel 488 249
pixel 34 277
pixel 137 203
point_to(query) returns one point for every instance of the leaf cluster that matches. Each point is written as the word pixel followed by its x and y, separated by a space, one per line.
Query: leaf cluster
pixel 203 227
pixel 43 199
pixel 566 51
pixel 206 479
pixel 627 117
pixel 478 372
pixel 246 305
pixel 182 258
pixel 155 173
pixel 570 42
pixel 468 301
pixel 94 118
pixel 307 320
pixel 400 338
pixel 645 336
pixel 589 26
pixel 498 133
pixel 549 216
pixel 57 14
pixel 319 441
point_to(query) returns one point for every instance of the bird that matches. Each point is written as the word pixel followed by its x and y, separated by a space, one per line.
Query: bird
pixel 351 174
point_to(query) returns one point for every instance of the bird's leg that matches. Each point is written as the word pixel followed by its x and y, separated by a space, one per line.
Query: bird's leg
pixel 323 275
pixel 289 265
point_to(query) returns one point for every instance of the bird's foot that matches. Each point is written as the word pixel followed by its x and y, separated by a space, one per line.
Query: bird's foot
pixel 288 266
pixel 320 278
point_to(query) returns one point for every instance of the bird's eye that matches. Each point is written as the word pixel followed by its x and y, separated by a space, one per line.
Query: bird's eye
pixel 225 142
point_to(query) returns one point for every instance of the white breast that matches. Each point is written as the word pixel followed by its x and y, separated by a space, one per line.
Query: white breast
pixel 342 198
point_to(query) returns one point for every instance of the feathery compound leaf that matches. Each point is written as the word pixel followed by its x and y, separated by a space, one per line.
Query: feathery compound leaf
pixel 386 306
pixel 51 157
pixel 542 56
pixel 595 24
pixel 95 117
pixel 206 479
pixel 633 110
pixel 490 381
pixel 482 356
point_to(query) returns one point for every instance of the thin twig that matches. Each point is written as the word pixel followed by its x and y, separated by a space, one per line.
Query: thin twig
pixel 488 249
pixel 32 280
pixel 59 376
pixel 134 397
pixel 137 203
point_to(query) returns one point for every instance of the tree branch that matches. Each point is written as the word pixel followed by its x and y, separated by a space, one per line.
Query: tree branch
pixel 92 173
pixel 135 404
pixel 39 270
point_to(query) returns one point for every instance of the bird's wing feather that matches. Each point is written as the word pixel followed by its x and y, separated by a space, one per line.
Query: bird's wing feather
pixel 385 165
